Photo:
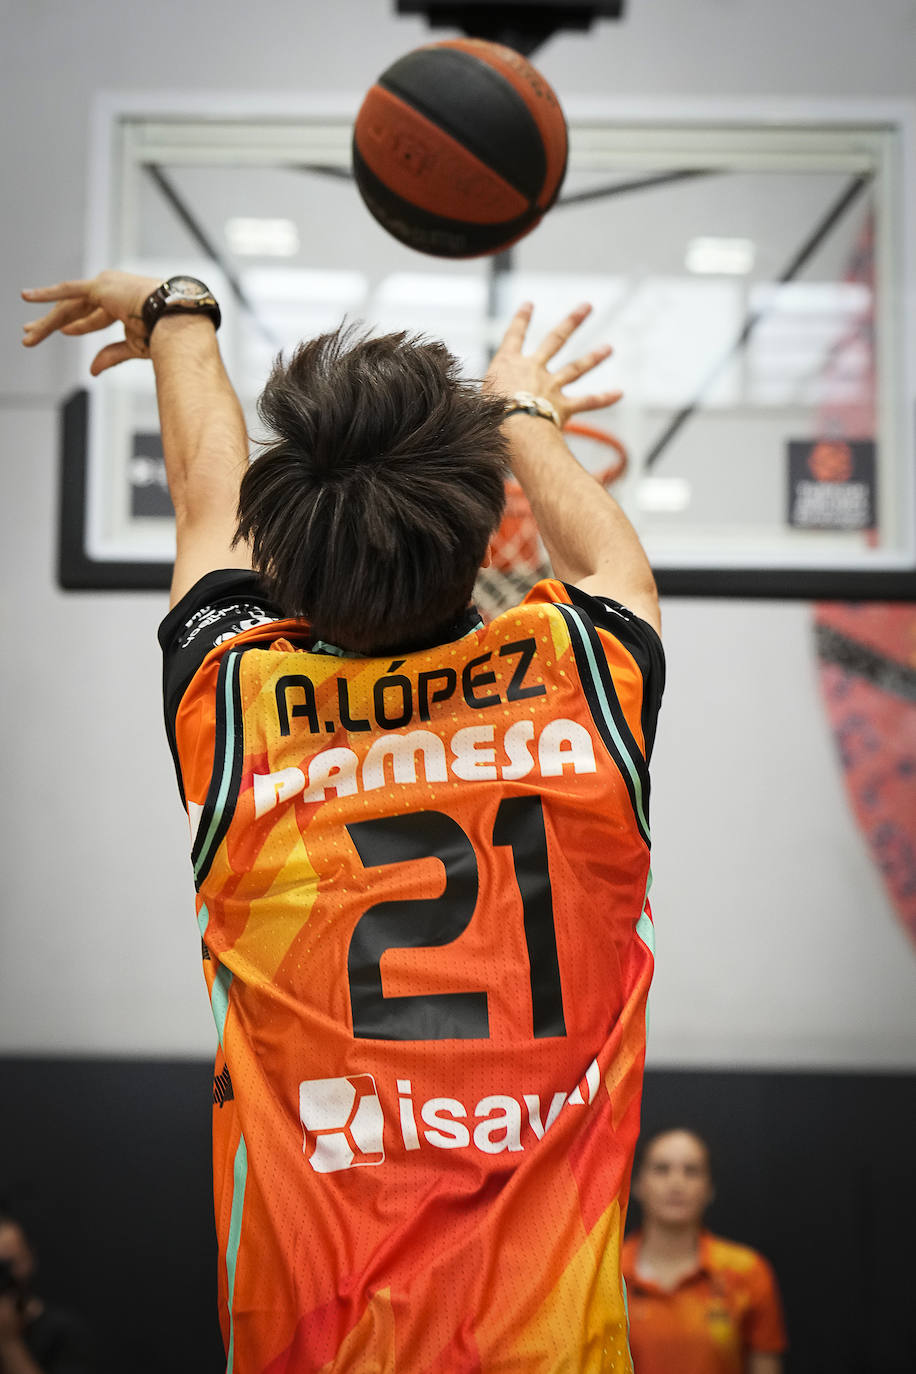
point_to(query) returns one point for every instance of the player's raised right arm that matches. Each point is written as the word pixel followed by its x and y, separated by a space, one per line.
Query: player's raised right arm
pixel 206 446
pixel 204 439
pixel 589 539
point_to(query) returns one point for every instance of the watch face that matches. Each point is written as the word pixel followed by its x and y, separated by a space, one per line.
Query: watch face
pixel 176 295
pixel 183 290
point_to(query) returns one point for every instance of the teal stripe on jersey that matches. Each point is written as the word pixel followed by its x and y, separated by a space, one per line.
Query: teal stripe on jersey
pixel 219 999
pixel 644 926
pixel 222 982
pixel 575 616
pixel 645 931
pixel 239 1179
pixel 219 1002
pixel 228 759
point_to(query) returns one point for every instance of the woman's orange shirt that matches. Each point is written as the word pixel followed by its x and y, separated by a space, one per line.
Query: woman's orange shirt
pixel 727 1306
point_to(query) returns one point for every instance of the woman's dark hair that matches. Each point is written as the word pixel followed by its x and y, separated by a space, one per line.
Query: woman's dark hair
pixel 645 1145
pixel 370 511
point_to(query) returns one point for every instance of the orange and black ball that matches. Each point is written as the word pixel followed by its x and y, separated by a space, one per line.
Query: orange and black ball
pixel 460 148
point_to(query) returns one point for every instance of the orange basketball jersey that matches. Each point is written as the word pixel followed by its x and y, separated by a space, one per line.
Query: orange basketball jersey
pixel 423 897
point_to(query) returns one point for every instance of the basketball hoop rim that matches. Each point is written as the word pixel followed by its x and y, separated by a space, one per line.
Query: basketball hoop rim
pixel 600 436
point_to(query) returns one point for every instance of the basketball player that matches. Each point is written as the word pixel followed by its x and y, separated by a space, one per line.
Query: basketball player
pixel 420 843
pixel 698 1304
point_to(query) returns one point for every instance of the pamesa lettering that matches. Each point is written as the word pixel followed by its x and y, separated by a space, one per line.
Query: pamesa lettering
pixel 472 754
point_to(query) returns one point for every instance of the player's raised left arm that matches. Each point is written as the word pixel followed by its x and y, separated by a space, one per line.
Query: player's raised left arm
pixel 588 537
pixel 204 440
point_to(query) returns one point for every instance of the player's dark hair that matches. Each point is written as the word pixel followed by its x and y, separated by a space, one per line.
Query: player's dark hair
pixel 370 511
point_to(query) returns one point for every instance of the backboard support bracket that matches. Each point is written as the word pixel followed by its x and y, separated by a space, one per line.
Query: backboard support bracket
pixel 521 24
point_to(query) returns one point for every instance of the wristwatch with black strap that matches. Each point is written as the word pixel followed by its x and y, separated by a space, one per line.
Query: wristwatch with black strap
pixel 179 296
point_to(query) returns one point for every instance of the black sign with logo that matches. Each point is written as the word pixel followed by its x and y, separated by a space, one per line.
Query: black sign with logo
pixel 831 484
pixel 149 490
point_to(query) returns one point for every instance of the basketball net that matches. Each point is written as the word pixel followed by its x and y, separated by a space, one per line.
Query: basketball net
pixel 519 558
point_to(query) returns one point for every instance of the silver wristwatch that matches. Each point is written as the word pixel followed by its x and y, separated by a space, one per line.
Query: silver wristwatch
pixel 177 295
pixel 524 402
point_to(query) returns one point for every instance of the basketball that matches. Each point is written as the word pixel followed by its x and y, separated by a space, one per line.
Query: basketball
pixel 459 148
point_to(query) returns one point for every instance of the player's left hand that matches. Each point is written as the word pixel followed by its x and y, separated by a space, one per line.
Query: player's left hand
pixel 81 307
pixel 512 370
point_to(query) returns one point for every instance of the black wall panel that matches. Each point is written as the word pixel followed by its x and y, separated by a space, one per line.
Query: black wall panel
pixel 108 1164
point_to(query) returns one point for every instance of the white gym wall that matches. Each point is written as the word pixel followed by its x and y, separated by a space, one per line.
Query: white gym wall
pixel 777 944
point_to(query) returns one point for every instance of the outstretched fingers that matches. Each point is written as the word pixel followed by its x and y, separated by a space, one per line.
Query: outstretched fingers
pixel 557 337
pixel 82 307
pixel 96 319
pixel 574 370
pixel 60 291
pixel 514 337
pixel 598 400
pixel 66 312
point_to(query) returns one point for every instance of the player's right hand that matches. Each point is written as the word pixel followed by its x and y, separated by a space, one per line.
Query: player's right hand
pixel 81 307
pixel 512 369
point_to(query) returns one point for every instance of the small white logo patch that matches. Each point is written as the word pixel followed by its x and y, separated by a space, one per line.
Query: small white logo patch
pixel 343 1122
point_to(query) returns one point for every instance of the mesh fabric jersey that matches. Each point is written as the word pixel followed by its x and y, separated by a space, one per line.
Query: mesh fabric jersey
pixel 423 900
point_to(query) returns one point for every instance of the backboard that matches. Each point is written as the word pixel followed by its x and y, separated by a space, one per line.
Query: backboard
pixel 750 267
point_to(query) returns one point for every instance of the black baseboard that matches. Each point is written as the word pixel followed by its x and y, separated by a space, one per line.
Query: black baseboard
pixel 108 1164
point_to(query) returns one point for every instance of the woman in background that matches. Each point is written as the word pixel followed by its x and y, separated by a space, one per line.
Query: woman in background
pixel 698 1304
